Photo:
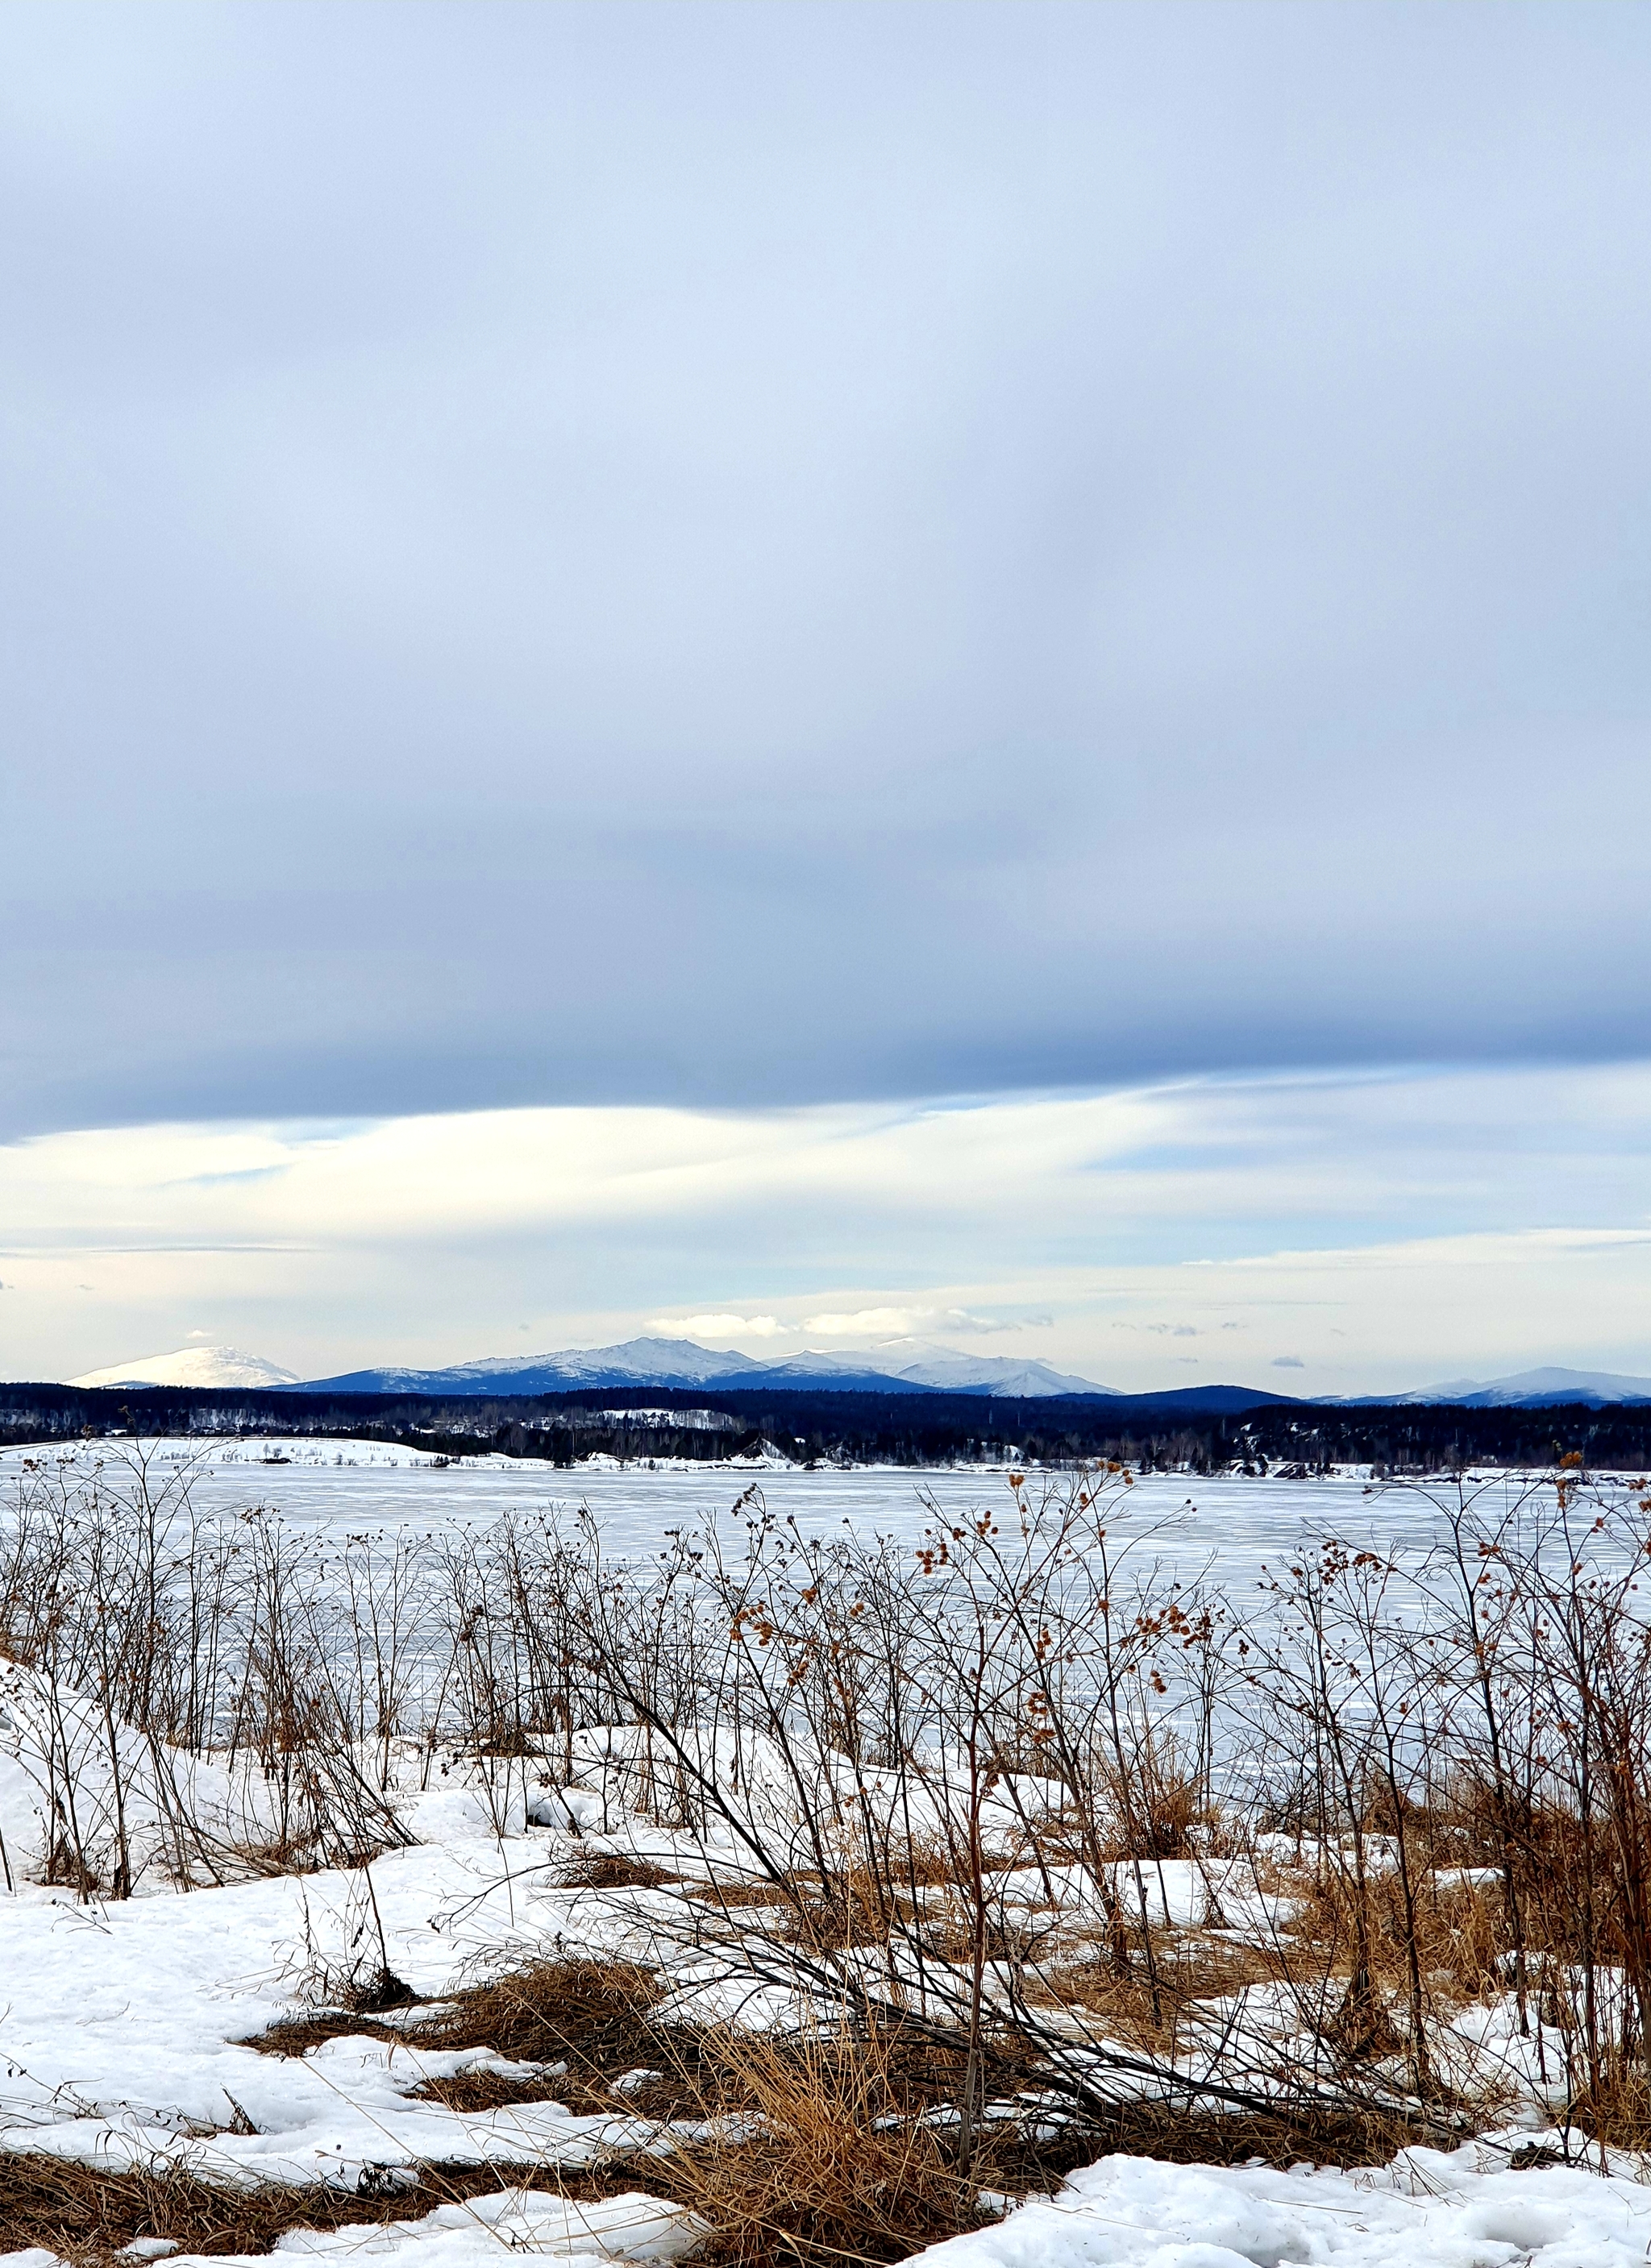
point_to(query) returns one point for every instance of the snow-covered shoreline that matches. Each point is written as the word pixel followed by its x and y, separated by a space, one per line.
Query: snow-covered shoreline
pixel 753 1764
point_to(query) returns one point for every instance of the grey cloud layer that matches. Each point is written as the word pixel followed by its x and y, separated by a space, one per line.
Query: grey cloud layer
pixel 748 556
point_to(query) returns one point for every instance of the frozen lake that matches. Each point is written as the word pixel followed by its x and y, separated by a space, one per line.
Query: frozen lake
pixel 1230 1525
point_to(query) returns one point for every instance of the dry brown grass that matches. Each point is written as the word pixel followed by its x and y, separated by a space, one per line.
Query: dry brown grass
pixel 856 1904
pixel 484 2090
pixel 842 2149
pixel 597 2019
pixel 1517 1775
pixel 754 1894
pixel 853 1906
pixel 846 2162
pixel 297 1855
pixel 1460 1932
pixel 86 2215
pixel 296 2035
pixel 598 2014
pixel 829 2172
pixel 614 1870
pixel 952 1937
pixel 1192 1966
pixel 1617 2112
pixel 1209 2138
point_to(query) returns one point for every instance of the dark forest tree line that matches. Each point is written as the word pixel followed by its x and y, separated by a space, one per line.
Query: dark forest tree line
pixel 1273 1438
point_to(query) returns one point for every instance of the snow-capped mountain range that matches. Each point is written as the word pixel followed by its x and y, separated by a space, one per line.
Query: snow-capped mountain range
pixel 902 1365
pixel 896 1366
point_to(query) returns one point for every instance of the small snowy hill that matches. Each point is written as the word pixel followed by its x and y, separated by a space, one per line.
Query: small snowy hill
pixel 194 1365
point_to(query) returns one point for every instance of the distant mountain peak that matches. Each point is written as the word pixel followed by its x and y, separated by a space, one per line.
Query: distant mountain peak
pixel 647 1358
pixel 192 1366
pixel 1023 1376
pixel 1537 1388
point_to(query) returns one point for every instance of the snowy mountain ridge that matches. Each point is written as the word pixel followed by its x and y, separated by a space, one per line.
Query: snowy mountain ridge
pixel 901 1366
pixel 1531 1390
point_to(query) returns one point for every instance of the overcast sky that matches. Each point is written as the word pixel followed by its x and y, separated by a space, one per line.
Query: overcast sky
pixel 730 564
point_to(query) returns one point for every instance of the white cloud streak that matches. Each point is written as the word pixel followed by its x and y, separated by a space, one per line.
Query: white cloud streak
pixel 878 1323
pixel 1379 1231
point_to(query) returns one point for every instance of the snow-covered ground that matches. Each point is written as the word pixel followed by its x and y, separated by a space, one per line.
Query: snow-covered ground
pixel 1429 2209
pixel 123 2035
pixel 122 2021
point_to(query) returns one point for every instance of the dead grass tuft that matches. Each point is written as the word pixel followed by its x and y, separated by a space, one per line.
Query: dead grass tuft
pixel 854 1908
pixel 614 1870
pixel 1191 1968
pixel 86 2215
pixel 1459 1930
pixel 597 2020
pixel 1194 2138
pixel 595 2013
pixel 313 1854
pixel 1618 2111
pixel 752 1894
pixel 828 2168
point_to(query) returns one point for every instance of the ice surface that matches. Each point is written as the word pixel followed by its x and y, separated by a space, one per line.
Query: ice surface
pixel 1230 1524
